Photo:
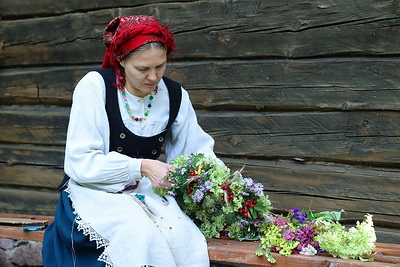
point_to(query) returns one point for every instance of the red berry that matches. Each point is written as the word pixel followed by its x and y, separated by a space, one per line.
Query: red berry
pixel 223 201
pixel 251 205
pixel 245 214
pixel 255 201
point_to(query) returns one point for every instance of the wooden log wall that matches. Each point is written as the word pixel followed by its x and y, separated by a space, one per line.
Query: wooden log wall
pixel 305 93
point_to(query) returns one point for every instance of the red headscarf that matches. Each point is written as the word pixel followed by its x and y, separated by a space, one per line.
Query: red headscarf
pixel 125 34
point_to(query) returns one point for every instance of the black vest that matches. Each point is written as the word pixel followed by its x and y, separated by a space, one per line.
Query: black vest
pixel 124 141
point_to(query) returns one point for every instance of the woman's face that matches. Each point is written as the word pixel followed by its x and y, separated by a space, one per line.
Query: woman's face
pixel 144 69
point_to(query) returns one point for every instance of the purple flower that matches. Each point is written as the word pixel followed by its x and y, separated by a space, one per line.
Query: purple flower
pixel 198 196
pixel 294 211
pixel 304 234
pixel 298 216
pixel 280 221
pixel 248 182
pixel 256 222
pixel 288 235
pixel 208 185
pixel 258 189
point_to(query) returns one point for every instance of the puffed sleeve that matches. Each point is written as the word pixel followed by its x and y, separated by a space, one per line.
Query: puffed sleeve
pixel 187 136
pixel 87 158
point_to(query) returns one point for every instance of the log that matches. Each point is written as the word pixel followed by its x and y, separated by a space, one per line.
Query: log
pixel 232 30
pixel 352 137
pixel 34 125
pixel 322 187
pixel 26 8
pixel 32 177
pixel 27 201
pixel 290 185
pixel 316 84
pixel 48 156
pixel 364 137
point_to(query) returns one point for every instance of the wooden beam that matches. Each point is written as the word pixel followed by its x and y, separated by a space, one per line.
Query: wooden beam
pixel 257 85
pixel 232 30
pixel 235 253
pixel 352 137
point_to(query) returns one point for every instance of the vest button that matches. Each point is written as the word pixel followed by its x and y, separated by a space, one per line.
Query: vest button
pixel 160 139
pixel 122 135
pixel 154 152
pixel 119 149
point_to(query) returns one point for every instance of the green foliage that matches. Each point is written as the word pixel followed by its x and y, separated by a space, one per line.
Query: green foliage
pixel 350 243
pixel 308 233
pixel 218 201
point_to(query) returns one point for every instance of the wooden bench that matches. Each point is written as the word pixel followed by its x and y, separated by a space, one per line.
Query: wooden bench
pixel 227 252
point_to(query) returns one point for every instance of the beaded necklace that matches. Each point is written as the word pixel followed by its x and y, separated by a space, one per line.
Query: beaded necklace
pixel 128 109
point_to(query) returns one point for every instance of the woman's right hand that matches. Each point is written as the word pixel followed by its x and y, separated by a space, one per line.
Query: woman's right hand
pixel 156 172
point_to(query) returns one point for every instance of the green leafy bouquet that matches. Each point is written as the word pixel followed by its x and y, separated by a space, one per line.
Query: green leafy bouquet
pixel 220 203
pixel 351 243
pixel 311 233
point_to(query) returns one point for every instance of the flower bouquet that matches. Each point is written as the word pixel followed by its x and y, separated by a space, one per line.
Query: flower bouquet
pixel 220 203
pixel 311 233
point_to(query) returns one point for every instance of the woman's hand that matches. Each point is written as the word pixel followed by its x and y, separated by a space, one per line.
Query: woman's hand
pixel 156 171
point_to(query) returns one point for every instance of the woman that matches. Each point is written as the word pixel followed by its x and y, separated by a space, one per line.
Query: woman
pixel 121 116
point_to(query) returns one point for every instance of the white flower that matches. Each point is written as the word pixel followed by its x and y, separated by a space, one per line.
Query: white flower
pixel 309 250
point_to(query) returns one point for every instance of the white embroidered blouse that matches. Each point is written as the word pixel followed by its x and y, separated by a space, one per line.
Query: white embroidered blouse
pixel 87 158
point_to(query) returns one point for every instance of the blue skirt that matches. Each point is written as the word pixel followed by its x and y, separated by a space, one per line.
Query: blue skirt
pixel 64 245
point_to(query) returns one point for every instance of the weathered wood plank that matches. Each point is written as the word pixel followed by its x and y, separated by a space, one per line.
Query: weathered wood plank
pixel 49 156
pixel 304 178
pixel 318 84
pixel 231 30
pixel 343 182
pixel 27 8
pixel 48 85
pixel 386 234
pixel 33 177
pixel 355 209
pixel 34 125
pixel 359 137
pixel 28 201
pixel 321 187
pixel 306 184
pixel 368 137
pixel 356 136
pixel 43 203
pixel 51 85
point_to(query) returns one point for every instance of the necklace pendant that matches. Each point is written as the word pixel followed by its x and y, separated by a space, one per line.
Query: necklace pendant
pixel 140 100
